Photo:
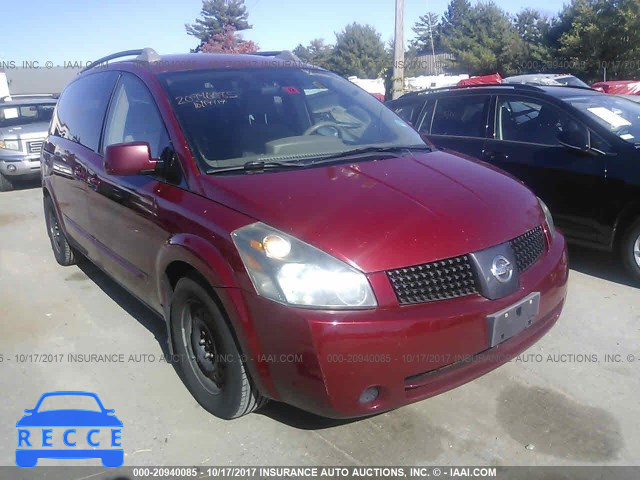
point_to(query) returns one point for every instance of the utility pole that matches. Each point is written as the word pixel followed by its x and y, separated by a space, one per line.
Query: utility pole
pixel 433 49
pixel 398 51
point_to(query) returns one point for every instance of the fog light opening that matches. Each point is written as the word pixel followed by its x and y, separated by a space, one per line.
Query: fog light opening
pixel 369 395
pixel 11 168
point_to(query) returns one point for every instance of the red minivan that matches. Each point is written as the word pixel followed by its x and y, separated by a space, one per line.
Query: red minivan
pixel 301 241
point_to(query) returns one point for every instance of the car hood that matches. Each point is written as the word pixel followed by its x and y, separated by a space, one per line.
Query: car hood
pixel 69 418
pixel 387 213
pixel 28 131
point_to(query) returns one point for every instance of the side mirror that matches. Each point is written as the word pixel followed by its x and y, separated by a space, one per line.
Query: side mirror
pixel 28 410
pixel 574 140
pixel 129 159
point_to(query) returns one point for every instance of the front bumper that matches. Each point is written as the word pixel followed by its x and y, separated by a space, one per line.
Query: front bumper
pixel 20 166
pixel 322 361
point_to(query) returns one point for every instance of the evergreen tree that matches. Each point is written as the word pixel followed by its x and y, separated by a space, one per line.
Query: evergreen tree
pixel 316 53
pixel 533 28
pixel 482 39
pixel 360 51
pixel 215 16
pixel 428 27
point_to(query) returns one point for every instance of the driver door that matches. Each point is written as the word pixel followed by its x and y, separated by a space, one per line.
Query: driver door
pixel 127 210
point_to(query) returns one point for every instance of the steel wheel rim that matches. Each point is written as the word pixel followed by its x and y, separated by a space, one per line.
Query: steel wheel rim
pixel 636 251
pixel 55 233
pixel 204 350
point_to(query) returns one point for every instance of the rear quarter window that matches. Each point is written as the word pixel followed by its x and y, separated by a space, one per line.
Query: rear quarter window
pixel 81 109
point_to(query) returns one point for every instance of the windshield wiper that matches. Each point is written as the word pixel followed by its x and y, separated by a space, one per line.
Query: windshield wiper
pixel 255 167
pixel 366 150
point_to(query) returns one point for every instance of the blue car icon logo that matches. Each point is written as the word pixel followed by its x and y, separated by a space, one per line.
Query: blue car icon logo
pixel 66 433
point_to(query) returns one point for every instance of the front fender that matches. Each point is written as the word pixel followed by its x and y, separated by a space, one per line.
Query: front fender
pixel 217 268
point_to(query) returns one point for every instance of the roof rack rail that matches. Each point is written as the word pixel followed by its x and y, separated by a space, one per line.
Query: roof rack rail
pixel 539 85
pixel 461 87
pixel 147 55
pixel 283 55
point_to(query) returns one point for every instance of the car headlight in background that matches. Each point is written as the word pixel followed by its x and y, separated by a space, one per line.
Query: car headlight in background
pixel 548 218
pixel 10 144
pixel 288 270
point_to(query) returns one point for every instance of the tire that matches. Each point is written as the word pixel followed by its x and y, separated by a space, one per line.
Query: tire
pixel 630 250
pixel 62 251
pixel 6 185
pixel 220 383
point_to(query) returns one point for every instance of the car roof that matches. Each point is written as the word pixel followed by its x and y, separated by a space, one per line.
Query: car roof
pixel 529 76
pixel 554 91
pixel 160 64
pixel 569 91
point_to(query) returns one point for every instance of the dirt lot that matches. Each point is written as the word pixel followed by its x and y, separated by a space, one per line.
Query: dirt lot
pixel 564 398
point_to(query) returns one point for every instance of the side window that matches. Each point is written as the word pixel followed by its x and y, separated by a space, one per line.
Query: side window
pixel 533 121
pixel 134 117
pixel 81 109
pixel 407 111
pixel 598 143
pixel 461 116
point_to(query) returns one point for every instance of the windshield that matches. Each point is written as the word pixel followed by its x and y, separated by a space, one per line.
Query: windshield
pixel 616 114
pixel 232 117
pixel 16 115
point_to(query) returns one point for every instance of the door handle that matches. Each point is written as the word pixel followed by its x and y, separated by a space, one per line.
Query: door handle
pixel 497 156
pixel 93 181
pixel 79 172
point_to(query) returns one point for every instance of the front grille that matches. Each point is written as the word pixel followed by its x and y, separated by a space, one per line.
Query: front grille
pixel 440 280
pixel 34 147
pixel 454 277
pixel 528 248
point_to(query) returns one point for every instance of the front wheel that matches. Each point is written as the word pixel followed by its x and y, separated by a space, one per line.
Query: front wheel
pixel 630 250
pixel 209 360
pixel 5 184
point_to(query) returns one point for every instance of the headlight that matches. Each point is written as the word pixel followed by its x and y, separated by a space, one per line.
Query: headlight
pixel 10 144
pixel 548 218
pixel 288 270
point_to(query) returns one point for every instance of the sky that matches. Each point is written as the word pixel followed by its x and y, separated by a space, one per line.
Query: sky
pixel 68 32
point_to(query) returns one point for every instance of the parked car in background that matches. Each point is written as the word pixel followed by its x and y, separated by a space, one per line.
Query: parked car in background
pixel 578 149
pixel 301 242
pixel 619 87
pixel 550 79
pixel 24 121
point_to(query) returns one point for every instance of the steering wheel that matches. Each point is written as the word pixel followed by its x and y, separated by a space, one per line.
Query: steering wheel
pixel 314 128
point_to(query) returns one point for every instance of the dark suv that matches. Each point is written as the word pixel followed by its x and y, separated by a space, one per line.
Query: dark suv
pixel 301 241
pixel 577 149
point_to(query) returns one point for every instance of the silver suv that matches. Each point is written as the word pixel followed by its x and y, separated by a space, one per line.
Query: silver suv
pixel 24 123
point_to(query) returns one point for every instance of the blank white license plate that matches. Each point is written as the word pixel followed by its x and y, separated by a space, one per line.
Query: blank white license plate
pixel 513 319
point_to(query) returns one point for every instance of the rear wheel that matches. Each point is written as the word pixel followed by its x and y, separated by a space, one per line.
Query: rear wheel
pixel 209 360
pixel 5 184
pixel 630 250
pixel 62 251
